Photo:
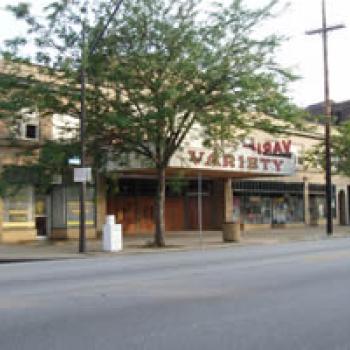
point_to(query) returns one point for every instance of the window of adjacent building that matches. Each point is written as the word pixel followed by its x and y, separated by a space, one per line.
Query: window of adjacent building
pixel 28 126
pixel 31 131
pixel 65 206
pixel 18 207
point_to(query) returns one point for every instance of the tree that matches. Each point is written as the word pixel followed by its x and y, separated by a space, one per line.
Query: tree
pixel 162 68
pixel 340 149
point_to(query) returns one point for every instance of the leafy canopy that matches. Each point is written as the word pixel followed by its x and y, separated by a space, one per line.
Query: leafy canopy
pixel 162 68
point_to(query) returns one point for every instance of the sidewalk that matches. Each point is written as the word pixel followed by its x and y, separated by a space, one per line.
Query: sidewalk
pixel 51 250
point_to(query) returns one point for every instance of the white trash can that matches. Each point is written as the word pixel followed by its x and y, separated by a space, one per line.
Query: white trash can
pixel 112 235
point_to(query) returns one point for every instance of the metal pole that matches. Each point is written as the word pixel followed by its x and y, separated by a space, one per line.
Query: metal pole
pixel 328 112
pixel 82 218
pixel 200 216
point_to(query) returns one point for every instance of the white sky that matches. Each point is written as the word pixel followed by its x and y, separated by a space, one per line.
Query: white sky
pixel 302 53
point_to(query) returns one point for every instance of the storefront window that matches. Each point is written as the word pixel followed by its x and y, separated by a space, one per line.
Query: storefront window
pixel 256 210
pixel 317 207
pixel 58 207
pixel 66 206
pixel 279 210
pixel 274 209
pixel 18 208
pixel 295 209
pixel 73 206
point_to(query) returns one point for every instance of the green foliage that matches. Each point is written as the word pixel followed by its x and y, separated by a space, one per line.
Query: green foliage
pixel 52 160
pixel 340 149
pixel 170 70
pixel 162 67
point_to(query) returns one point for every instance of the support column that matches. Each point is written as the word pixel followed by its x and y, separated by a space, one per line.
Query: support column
pixel 228 200
pixel 306 201
pixel 231 230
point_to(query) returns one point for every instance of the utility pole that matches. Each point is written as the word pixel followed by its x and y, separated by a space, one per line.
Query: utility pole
pixel 82 212
pixel 327 112
pixel 86 52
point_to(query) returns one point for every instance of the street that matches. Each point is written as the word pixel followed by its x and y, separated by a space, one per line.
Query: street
pixel 284 296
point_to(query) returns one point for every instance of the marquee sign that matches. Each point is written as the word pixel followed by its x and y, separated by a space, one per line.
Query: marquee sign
pixel 270 158
pixel 262 158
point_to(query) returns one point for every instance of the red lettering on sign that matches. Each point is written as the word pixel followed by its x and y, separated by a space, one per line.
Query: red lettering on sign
pixel 212 160
pixel 241 162
pixel 194 158
pixel 259 148
pixel 272 147
pixel 252 163
pixel 277 149
pixel 265 162
pixel 278 164
pixel 267 147
pixel 229 161
pixel 286 146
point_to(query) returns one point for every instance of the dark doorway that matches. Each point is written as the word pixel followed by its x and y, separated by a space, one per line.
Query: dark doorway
pixel 41 215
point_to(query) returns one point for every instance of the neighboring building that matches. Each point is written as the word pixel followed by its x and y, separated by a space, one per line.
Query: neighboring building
pixel 340 111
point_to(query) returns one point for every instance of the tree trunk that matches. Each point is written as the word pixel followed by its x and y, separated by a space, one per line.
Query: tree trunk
pixel 160 204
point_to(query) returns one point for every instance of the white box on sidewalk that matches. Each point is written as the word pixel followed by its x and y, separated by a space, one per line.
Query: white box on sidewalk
pixel 112 235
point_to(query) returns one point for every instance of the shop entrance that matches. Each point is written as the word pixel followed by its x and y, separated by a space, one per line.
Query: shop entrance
pixel 41 215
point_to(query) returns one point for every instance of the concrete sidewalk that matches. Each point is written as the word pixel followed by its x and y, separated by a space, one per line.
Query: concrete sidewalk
pixel 51 250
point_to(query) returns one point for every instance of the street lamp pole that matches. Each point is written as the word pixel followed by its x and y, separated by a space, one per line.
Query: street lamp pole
pixel 86 52
pixel 327 112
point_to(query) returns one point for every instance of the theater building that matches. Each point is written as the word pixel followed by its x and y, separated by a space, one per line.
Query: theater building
pixel 264 183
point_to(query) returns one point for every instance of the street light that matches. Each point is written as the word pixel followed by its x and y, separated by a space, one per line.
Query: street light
pixel 327 111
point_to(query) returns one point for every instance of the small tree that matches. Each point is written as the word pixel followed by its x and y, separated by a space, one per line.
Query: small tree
pixel 163 67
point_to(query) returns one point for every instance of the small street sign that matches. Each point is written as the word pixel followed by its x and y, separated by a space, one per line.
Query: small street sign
pixel 82 175
pixel 74 161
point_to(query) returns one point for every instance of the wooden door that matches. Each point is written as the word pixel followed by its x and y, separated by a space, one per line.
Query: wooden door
pixel 192 213
pixel 174 214
pixel 125 211
pixel 145 213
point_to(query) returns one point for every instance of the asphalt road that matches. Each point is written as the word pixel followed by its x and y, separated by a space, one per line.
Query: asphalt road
pixel 290 296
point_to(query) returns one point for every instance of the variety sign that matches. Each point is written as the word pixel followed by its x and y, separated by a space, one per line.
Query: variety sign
pixel 262 158
pixel 271 147
pixel 272 157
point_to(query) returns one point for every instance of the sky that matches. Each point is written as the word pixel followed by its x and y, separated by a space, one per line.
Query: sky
pixel 300 52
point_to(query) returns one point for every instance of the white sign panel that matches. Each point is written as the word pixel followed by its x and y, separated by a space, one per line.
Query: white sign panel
pixel 240 161
pixel 82 175
pixel 262 158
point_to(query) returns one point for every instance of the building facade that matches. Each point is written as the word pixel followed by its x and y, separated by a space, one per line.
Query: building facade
pixel 269 182
pixel 263 183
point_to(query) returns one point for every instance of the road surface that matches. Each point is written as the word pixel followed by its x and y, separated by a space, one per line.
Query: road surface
pixel 288 296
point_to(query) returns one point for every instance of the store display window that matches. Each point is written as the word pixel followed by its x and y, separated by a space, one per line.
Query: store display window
pixel 66 206
pixel 256 209
pixel 18 208
pixel 272 209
